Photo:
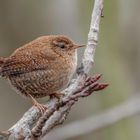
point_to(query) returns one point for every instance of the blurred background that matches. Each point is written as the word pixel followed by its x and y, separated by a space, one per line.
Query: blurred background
pixel 117 56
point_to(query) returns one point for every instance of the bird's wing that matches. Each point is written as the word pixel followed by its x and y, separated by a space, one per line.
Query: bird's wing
pixel 24 63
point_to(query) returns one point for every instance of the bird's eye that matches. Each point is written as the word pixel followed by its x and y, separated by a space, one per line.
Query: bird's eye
pixel 62 45
pixel 59 44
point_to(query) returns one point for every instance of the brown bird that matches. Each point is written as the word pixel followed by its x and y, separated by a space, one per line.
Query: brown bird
pixel 42 67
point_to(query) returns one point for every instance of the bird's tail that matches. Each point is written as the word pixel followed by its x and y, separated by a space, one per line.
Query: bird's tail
pixel 2 60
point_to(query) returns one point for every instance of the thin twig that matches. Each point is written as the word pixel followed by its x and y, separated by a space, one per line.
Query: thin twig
pixel 129 108
pixel 66 103
pixel 4 133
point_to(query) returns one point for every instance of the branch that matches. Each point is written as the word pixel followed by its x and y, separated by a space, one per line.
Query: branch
pixel 34 126
pixel 94 123
pixel 89 54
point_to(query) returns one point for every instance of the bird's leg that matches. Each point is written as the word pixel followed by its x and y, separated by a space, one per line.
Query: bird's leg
pixel 41 107
pixel 57 95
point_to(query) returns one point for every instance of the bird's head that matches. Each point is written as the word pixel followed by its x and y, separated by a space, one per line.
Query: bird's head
pixel 62 45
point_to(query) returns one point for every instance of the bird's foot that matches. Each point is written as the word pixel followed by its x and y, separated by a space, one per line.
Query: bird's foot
pixel 42 108
pixel 57 95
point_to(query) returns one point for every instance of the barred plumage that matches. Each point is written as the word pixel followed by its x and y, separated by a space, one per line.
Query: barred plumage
pixel 41 67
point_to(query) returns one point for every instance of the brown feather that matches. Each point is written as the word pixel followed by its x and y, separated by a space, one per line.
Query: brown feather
pixel 2 60
pixel 41 67
pixel 27 58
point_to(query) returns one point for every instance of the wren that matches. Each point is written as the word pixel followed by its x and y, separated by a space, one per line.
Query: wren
pixel 42 67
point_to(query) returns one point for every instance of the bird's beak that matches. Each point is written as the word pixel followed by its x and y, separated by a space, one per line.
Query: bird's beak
pixel 79 46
